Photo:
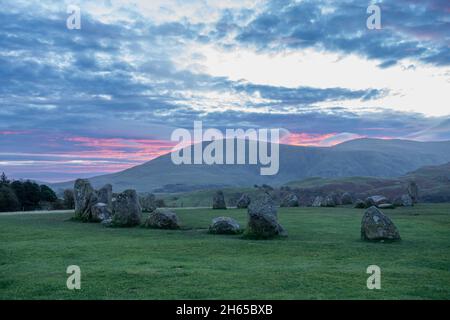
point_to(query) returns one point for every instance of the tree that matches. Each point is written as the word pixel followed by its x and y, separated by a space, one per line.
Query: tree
pixel 8 199
pixel 17 186
pixel 69 199
pixel 47 194
pixel 4 180
pixel 28 194
pixel 32 195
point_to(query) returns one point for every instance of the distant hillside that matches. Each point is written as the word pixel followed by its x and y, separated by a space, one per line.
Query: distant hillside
pixel 362 157
pixel 433 182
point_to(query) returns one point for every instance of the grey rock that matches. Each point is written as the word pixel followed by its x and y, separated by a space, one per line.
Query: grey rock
pixel 404 201
pixel 224 225
pixel 85 197
pixel 107 222
pixel 318 202
pixel 290 200
pixel 330 201
pixel 376 201
pixel 219 201
pixel 263 220
pixel 148 202
pixel 162 219
pixel 104 195
pixel 327 201
pixel 264 204
pixel 376 226
pixel 100 212
pixel 126 209
pixel 413 191
pixel 243 202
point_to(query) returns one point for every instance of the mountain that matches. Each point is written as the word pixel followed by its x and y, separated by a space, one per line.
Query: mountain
pixel 361 157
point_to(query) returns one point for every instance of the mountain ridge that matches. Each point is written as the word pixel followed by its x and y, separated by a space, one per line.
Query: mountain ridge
pixel 359 157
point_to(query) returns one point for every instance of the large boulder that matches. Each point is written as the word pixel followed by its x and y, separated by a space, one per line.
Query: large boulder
pixel 290 200
pixel 263 220
pixel 126 209
pixel 219 201
pixel 224 225
pixel 243 202
pixel 376 201
pixel 148 202
pixel 413 191
pixel 104 195
pixel 85 197
pixel 318 201
pixel 347 199
pixel 100 212
pixel 162 219
pixel 404 201
pixel 377 226
pixel 330 201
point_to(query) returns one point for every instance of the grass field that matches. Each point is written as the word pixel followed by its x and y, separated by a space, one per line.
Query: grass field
pixel 323 258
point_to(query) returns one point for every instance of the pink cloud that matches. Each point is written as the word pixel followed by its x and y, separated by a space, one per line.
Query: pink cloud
pixel 318 140
pixel 11 132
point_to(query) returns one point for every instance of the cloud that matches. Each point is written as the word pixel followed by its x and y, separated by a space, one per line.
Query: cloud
pixel 107 97
pixel 410 29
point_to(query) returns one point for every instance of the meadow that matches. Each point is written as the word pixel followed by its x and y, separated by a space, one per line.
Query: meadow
pixel 323 257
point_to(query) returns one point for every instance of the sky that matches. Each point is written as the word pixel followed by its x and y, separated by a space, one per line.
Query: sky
pixel 106 97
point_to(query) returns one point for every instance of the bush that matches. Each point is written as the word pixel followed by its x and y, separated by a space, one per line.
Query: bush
pixel 8 199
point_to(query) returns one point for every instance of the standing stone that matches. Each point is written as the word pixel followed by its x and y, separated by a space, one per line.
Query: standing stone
pixel 263 220
pixel 330 201
pixel 347 199
pixel 318 201
pixel 224 225
pixel 105 195
pixel 243 202
pixel 100 212
pixel 377 226
pixel 126 209
pixel 403 201
pixel 413 191
pixel 290 200
pixel 162 219
pixel 376 201
pixel 148 202
pixel 219 201
pixel 85 197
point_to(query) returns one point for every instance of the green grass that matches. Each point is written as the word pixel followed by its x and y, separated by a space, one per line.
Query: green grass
pixel 323 258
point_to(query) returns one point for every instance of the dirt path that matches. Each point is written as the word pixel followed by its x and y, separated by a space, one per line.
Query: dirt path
pixel 33 212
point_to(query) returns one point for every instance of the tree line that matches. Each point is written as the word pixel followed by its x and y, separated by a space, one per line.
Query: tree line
pixel 17 195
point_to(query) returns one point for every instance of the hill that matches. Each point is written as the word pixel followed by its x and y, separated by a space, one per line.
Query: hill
pixel 362 157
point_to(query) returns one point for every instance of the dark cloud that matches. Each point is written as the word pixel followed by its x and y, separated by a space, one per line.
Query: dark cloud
pixel 120 80
pixel 410 29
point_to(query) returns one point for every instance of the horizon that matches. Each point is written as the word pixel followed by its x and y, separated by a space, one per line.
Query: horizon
pixel 194 143
pixel 105 97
